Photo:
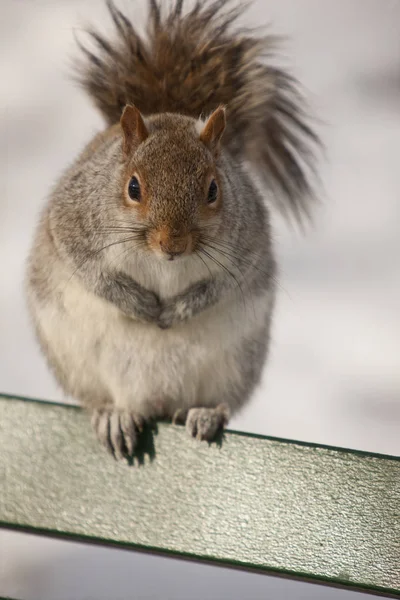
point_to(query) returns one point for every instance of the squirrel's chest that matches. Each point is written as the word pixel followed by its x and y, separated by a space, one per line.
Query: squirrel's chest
pixel 168 278
pixel 152 370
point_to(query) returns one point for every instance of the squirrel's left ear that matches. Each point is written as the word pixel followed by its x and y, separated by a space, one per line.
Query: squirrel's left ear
pixel 213 130
pixel 133 128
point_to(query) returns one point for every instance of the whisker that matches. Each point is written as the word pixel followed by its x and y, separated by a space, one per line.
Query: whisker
pixel 229 258
pixel 238 259
pixel 204 262
pixel 236 266
pixel 226 270
pixel 234 250
pixel 95 253
pixel 122 255
pixel 237 248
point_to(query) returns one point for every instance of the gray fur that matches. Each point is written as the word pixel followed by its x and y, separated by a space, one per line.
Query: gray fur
pixel 134 336
pixel 216 305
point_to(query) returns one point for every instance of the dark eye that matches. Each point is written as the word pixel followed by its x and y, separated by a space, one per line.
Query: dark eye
pixel 134 189
pixel 212 192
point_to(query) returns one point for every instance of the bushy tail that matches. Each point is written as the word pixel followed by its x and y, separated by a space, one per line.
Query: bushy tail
pixel 191 63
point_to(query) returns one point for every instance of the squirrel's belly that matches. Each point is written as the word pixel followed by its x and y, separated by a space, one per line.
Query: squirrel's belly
pixel 149 370
pixel 194 364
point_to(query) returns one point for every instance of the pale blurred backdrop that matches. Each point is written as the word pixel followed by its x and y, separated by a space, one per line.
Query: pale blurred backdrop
pixel 334 371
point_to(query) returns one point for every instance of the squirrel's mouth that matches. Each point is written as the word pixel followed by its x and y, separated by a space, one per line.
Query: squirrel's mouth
pixel 170 256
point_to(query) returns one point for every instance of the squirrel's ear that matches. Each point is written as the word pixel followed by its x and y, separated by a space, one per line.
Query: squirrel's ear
pixel 133 128
pixel 213 129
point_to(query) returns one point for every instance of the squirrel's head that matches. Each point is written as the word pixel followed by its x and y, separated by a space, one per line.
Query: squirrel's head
pixel 171 187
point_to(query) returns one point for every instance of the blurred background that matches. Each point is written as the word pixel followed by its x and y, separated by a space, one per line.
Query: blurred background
pixel 334 371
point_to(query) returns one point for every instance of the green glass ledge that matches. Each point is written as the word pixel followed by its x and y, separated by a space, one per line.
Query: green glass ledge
pixel 282 507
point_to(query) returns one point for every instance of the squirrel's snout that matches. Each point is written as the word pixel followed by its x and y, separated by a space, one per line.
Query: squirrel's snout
pixel 172 246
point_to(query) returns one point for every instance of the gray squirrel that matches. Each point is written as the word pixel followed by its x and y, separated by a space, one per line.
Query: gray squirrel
pixel 151 280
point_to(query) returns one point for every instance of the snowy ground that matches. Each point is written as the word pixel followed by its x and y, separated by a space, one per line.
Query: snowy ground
pixel 334 373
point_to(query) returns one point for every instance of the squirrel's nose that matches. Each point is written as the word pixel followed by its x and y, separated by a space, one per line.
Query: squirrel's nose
pixel 173 247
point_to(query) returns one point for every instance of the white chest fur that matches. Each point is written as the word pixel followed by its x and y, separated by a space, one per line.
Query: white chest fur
pixel 141 367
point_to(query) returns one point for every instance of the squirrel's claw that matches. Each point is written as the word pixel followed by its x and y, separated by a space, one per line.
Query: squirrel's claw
pixel 204 423
pixel 117 431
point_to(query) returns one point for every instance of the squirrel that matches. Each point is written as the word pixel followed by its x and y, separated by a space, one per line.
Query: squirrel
pixel 151 278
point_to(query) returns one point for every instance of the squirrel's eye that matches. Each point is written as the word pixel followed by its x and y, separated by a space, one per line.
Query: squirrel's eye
pixel 212 192
pixel 134 189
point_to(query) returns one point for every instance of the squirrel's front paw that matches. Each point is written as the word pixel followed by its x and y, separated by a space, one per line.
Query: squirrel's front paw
pixel 166 318
pixel 177 311
pixel 117 431
pixel 204 423
pixel 150 307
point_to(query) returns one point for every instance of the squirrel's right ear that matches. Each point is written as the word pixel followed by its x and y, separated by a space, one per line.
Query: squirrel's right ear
pixel 213 130
pixel 133 128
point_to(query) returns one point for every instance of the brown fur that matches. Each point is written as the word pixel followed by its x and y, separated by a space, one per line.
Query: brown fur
pixel 174 168
pixel 133 127
pixel 213 130
pixel 192 63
